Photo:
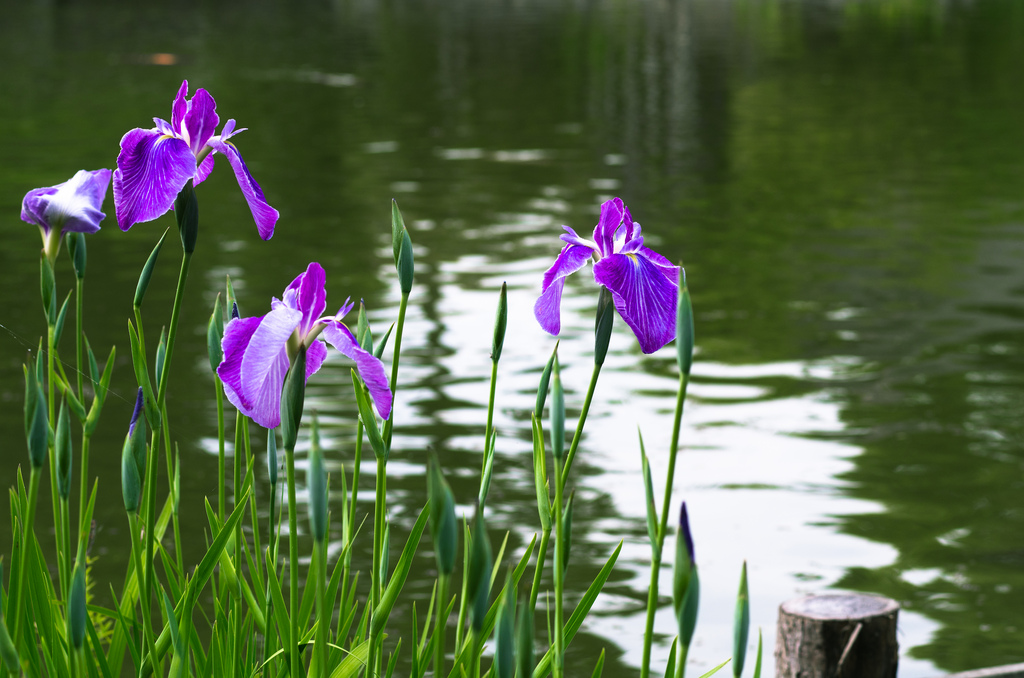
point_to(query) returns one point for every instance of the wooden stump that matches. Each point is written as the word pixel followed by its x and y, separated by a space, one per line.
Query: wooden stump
pixel 837 635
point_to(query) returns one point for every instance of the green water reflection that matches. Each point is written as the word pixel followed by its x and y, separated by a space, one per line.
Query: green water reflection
pixel 843 180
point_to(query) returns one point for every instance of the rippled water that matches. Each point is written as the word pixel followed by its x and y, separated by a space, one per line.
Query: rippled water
pixel 843 181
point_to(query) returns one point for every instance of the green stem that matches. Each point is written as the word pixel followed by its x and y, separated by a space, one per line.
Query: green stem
pixel 376 587
pixel 538 571
pixel 355 482
pixel 389 424
pixel 652 591
pixel 323 615
pixel 58 528
pixel 28 530
pixel 79 305
pixel 559 663
pixel 475 665
pixel 490 404
pixel 440 625
pixel 293 569
pixel 83 494
pixel 220 449
pixel 133 526
pixel 579 425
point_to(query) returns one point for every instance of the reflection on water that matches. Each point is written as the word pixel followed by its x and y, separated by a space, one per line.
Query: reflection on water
pixel 842 180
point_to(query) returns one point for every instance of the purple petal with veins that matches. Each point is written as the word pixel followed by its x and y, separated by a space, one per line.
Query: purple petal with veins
pixel 179 108
pixel 547 309
pixel 265 363
pixel 370 368
pixel 151 170
pixel 264 215
pixel 644 296
pixel 201 120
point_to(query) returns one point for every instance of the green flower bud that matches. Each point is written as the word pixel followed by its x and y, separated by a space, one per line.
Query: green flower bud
pixel 603 325
pixel 76 248
pixel 186 212
pixel 504 635
pixel 37 426
pixel 292 399
pixel 214 335
pixel 741 627
pixel 77 613
pixel 63 451
pixel 478 583
pixel 500 324
pixel 317 486
pixel 443 526
pixel 684 327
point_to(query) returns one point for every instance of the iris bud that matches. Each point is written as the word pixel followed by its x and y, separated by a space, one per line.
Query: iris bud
pixel 500 324
pixel 63 451
pixel 479 576
pixel 58 326
pixel 76 248
pixel 317 486
pixel 525 657
pixel 443 527
pixel 686 583
pixel 37 427
pixel 77 614
pixel 363 334
pixel 684 327
pixel 741 627
pixel 504 635
pixel 292 399
pixel 186 211
pixel 603 325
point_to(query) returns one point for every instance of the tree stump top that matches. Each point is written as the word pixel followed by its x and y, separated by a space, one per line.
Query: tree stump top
pixel 848 606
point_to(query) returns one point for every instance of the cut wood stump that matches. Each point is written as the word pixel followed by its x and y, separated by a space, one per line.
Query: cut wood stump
pixel 837 635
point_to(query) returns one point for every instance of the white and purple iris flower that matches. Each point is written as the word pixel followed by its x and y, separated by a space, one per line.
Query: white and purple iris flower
pixel 644 284
pixel 71 207
pixel 155 164
pixel 258 350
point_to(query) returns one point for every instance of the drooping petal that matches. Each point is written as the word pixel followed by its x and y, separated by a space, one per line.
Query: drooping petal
pixel 151 169
pixel 370 368
pixel 265 363
pixel 570 236
pixel 200 121
pixel 71 206
pixel 237 334
pixel 203 170
pixel 180 107
pixel 316 354
pixel 76 204
pixel 645 297
pixel 264 215
pixel 547 309
pixel 34 204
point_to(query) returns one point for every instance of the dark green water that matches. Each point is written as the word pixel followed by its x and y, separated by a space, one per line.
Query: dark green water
pixel 843 181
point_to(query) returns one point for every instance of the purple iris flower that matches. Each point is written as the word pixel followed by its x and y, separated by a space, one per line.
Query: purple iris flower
pixel 71 207
pixel 644 284
pixel 258 350
pixel 155 164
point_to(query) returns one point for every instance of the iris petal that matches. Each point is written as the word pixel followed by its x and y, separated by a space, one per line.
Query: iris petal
pixel 265 363
pixel 370 368
pixel 76 204
pixel 644 294
pixel 237 334
pixel 151 169
pixel 613 213
pixel 312 295
pixel 201 120
pixel 264 215
pixel 548 307
pixel 34 204
pixel 180 107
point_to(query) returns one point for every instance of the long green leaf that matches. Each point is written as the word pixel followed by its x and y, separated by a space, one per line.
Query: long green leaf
pixel 580 613
pixel 394 587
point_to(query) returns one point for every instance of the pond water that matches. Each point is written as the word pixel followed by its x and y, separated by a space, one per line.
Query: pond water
pixel 844 182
